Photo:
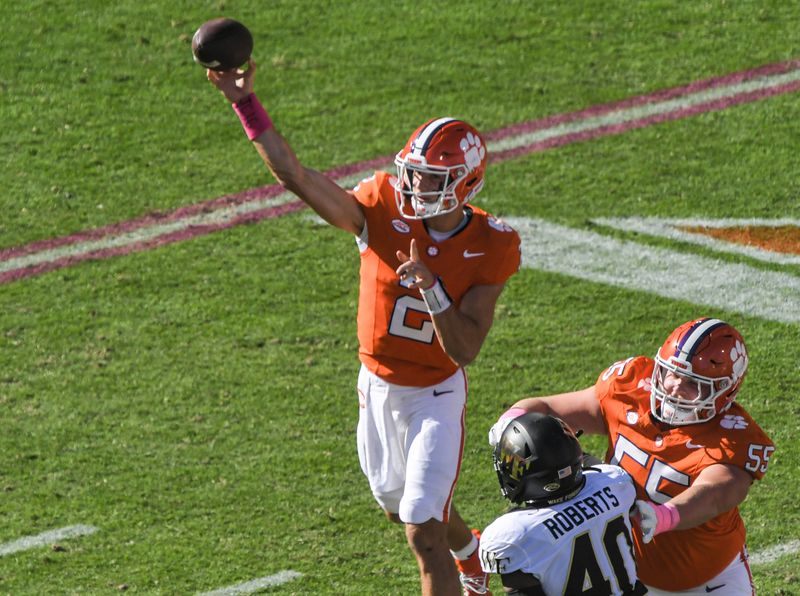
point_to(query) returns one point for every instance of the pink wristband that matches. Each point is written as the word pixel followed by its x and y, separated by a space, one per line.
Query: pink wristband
pixel 253 116
pixel 512 413
pixel 667 517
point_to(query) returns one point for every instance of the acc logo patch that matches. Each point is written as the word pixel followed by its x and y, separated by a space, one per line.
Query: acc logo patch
pixel 401 226
pixel 499 225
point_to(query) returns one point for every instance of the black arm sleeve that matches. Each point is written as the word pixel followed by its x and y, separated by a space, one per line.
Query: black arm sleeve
pixel 520 583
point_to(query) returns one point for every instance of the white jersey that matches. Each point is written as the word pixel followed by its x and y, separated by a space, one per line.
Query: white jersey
pixel 578 545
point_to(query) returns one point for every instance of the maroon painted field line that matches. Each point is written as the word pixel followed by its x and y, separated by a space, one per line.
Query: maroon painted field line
pixel 184 214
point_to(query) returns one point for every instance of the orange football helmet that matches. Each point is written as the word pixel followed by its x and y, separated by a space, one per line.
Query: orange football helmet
pixel 449 151
pixel 710 358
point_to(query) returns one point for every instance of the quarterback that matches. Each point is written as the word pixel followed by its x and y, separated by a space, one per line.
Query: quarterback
pixel 674 425
pixel 432 269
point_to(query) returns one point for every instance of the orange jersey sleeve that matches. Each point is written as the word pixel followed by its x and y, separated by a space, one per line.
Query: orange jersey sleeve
pixel 396 337
pixel 665 460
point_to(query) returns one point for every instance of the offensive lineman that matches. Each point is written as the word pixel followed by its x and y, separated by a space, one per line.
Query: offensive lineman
pixel 673 424
pixel 432 269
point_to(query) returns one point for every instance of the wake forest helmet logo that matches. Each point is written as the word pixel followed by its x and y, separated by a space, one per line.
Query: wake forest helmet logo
pixel 516 466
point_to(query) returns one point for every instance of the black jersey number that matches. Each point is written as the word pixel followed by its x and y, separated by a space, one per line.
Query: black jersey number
pixel 585 574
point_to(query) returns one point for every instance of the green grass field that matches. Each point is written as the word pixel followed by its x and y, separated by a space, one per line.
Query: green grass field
pixel 196 402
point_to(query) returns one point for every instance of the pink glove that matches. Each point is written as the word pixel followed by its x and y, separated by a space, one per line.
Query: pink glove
pixel 655 519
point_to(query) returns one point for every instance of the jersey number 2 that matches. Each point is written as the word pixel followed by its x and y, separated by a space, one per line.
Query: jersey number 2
pixel 398 326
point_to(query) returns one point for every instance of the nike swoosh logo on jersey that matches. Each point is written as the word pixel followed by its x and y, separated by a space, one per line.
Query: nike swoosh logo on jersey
pixel 690 445
pixel 710 589
pixel 438 393
pixel 470 255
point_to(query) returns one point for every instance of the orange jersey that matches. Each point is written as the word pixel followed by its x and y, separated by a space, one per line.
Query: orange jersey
pixel 665 460
pixel 396 337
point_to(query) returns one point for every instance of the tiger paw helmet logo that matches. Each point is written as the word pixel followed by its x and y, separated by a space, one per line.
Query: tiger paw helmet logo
pixel 733 422
pixel 473 149
pixel 739 358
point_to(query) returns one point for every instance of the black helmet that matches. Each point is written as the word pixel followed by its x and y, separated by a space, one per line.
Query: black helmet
pixel 538 461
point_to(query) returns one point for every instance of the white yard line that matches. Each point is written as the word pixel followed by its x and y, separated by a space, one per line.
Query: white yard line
pixel 152 232
pixel 701 280
pixel 144 233
pixel 763 557
pixel 641 112
pixel 773 553
pixel 45 539
pixel 255 585
pixel 671 228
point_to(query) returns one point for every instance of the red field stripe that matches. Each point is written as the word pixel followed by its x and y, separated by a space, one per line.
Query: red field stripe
pixel 114 232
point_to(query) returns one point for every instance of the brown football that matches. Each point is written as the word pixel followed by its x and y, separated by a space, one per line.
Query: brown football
pixel 222 44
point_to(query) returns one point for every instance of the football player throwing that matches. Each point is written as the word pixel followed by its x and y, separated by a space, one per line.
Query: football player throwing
pixel 432 269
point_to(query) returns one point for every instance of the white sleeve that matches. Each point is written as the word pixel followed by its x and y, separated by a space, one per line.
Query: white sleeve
pixel 499 555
